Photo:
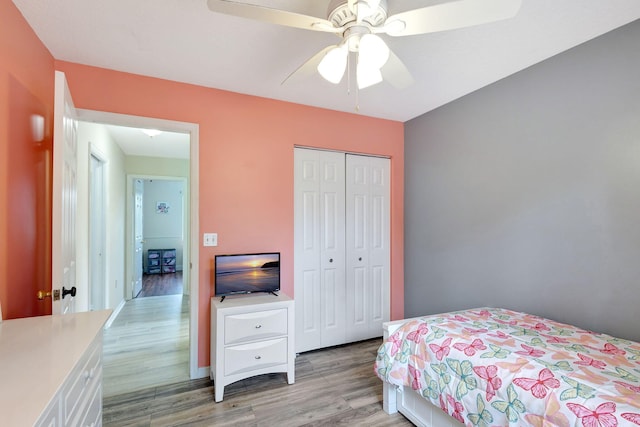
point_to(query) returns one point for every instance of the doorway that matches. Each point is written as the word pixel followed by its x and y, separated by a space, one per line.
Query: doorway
pixel 190 232
pixel 159 227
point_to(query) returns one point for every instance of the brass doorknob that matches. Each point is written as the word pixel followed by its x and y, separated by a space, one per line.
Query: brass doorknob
pixel 42 295
pixel 55 294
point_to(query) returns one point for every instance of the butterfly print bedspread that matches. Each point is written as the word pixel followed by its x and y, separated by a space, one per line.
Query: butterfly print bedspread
pixel 496 367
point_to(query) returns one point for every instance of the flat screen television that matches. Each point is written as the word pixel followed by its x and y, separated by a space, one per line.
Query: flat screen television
pixel 247 273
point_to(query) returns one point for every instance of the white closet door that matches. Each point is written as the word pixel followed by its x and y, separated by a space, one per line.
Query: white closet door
pixel 368 246
pixel 319 245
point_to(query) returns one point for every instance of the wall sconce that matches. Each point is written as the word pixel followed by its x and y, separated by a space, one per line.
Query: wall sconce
pixel 37 127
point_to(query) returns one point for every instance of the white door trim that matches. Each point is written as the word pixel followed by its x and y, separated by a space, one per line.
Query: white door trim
pixel 97 227
pixel 194 220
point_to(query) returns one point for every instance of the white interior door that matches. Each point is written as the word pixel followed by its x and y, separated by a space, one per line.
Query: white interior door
pixel 319 267
pixel 367 246
pixel 64 198
pixel 138 190
pixel 97 263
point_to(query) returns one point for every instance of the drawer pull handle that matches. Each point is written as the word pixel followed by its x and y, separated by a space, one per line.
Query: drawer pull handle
pixel 258 326
pixel 258 357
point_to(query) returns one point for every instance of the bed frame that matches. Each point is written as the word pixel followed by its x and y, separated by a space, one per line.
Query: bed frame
pixel 414 407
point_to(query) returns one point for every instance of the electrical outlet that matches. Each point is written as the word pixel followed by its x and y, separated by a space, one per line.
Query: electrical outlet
pixel 210 239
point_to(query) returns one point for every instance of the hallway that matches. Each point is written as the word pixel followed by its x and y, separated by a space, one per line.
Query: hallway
pixel 147 345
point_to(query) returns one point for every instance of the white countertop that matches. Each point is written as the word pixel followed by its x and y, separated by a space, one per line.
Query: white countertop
pixel 37 354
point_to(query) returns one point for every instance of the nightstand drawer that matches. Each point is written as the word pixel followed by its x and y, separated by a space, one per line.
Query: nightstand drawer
pixel 245 327
pixel 252 356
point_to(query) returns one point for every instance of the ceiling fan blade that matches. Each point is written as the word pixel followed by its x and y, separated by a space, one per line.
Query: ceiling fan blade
pixel 449 16
pixel 352 5
pixel 310 67
pixel 274 16
pixel 396 73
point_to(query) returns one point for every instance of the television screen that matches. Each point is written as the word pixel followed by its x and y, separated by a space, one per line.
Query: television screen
pixel 247 273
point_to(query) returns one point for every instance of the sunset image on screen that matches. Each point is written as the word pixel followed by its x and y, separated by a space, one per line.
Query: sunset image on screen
pixel 247 273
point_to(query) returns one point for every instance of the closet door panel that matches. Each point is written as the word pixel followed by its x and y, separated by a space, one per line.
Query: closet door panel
pixel 307 251
pixel 358 241
pixel 368 254
pixel 333 249
pixel 319 248
pixel 379 249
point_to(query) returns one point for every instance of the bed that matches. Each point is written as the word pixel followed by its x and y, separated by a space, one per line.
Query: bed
pixel 495 367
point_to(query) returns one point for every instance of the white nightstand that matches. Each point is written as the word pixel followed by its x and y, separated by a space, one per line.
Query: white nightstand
pixel 251 335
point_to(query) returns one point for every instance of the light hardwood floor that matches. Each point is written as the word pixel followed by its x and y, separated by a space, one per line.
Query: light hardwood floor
pixel 147 345
pixel 146 380
pixel 161 284
pixel 336 386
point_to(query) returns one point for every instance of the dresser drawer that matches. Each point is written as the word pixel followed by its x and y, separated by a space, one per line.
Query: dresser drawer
pixel 84 378
pixel 252 356
pixel 93 414
pixel 245 327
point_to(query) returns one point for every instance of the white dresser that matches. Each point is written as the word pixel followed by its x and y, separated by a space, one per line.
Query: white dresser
pixel 251 335
pixel 51 370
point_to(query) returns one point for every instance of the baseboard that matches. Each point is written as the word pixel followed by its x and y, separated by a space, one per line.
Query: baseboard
pixel 200 372
pixel 115 313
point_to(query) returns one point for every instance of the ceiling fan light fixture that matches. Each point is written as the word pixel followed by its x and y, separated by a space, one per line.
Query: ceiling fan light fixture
pixel 333 65
pixel 373 51
pixel 367 76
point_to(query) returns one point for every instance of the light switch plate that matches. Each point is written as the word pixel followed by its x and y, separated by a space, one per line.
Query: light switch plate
pixel 210 239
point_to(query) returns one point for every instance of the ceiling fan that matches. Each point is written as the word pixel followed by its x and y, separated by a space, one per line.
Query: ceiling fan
pixel 359 22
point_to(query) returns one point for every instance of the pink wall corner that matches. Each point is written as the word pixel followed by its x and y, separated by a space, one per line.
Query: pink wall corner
pixel 246 163
pixel 26 89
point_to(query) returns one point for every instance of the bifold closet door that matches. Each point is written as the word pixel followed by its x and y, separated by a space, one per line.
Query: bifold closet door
pixel 319 247
pixel 368 246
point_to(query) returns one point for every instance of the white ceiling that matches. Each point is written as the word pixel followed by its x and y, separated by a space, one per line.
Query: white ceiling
pixel 182 40
pixel 134 142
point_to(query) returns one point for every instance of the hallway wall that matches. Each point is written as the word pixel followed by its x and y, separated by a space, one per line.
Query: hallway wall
pixel 94 137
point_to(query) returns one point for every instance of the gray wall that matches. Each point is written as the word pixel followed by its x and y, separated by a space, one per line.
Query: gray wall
pixel 526 194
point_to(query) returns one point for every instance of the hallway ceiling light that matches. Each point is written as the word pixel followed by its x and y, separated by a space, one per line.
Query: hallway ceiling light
pixel 151 132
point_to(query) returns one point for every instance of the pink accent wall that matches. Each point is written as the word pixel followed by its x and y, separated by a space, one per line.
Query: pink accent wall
pixel 246 162
pixel 26 89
